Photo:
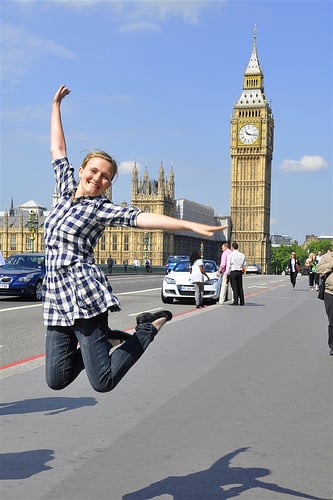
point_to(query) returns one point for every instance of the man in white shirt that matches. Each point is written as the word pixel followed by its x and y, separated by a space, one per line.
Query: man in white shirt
pixel 235 264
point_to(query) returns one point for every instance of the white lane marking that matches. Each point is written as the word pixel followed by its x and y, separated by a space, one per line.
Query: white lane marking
pixel 20 307
pixel 139 291
pixel 150 310
pixel 40 305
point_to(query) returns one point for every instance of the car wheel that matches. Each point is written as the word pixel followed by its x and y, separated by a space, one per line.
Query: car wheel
pixel 38 291
pixel 166 300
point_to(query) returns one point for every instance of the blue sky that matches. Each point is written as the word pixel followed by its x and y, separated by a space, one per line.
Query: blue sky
pixel 155 81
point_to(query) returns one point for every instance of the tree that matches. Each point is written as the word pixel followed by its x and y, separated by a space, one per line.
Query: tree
pixel 281 256
pixel 316 245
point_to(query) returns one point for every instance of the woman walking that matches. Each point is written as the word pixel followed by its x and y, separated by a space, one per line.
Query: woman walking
pixel 293 267
pixel 311 264
pixel 76 294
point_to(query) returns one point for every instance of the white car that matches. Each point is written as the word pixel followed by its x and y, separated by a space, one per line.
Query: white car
pixel 177 284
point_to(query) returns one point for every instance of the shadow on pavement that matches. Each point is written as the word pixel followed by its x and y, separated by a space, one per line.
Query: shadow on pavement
pixel 24 464
pixel 52 406
pixel 209 483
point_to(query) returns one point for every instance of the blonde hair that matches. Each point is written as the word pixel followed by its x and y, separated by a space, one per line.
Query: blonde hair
pixel 98 153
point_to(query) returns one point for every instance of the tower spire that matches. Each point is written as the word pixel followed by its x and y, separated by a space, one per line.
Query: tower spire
pixel 11 211
pixel 253 82
pixel 253 68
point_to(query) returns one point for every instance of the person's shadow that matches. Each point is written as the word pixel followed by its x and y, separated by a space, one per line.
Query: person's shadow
pixel 208 484
pixel 24 464
pixel 21 465
pixel 52 406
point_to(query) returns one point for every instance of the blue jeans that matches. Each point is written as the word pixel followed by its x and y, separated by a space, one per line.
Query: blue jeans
pixel 64 360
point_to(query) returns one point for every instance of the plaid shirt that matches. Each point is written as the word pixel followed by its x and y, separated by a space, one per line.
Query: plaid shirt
pixel 74 287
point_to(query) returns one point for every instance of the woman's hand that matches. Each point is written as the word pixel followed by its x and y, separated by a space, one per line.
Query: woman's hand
pixel 206 230
pixel 61 93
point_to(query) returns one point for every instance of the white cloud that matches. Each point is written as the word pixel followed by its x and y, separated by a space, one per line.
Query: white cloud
pixel 305 164
pixel 139 26
pixel 142 15
pixel 187 9
pixel 147 15
pixel 162 9
pixel 21 49
pixel 126 167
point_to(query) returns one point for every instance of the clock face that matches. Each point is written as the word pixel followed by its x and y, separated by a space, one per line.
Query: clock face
pixel 248 134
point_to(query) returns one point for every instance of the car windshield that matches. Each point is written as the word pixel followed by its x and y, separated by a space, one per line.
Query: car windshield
pixel 175 258
pixel 33 261
pixel 184 266
pixel 210 267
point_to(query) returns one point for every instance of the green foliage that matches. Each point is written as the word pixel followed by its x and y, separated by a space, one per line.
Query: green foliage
pixel 280 255
pixel 323 245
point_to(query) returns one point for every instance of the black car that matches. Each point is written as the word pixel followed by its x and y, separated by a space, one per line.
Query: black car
pixel 22 275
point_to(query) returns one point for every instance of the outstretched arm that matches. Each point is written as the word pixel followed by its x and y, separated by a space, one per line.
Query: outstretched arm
pixel 148 220
pixel 57 139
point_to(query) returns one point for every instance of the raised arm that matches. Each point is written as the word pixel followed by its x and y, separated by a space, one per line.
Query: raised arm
pixel 57 139
pixel 147 220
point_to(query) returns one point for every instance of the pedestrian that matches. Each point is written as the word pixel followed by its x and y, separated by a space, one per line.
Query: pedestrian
pixel 147 265
pixel 110 263
pixel 235 268
pixel 325 266
pixel 319 256
pixel 223 272
pixel 125 264
pixel 76 294
pixel 136 265
pixel 311 265
pixel 198 274
pixel 293 267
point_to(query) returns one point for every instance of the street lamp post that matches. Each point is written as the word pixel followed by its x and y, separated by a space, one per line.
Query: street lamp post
pixel 145 244
pixel 32 225
pixel 202 249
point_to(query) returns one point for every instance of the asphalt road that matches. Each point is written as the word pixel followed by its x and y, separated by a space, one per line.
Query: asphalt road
pixel 226 402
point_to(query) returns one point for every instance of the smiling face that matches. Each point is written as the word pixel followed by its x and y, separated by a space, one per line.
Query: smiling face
pixel 95 177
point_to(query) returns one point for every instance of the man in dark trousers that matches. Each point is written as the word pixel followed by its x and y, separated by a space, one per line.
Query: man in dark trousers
pixel 235 267
pixel 110 263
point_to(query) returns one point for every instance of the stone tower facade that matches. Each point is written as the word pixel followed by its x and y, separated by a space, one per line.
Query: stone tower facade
pixel 156 196
pixel 252 128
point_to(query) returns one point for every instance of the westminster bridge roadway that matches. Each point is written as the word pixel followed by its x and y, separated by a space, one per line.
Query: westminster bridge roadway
pixel 226 402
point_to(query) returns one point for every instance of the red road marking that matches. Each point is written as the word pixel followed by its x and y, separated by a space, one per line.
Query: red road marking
pixel 184 313
pixel 16 363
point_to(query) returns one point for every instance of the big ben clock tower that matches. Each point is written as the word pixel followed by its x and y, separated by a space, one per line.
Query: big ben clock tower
pixel 252 128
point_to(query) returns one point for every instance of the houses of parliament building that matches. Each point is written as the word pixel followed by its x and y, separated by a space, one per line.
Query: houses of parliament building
pixel 251 149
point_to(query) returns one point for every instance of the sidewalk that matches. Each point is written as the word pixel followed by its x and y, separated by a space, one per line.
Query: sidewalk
pixel 226 402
